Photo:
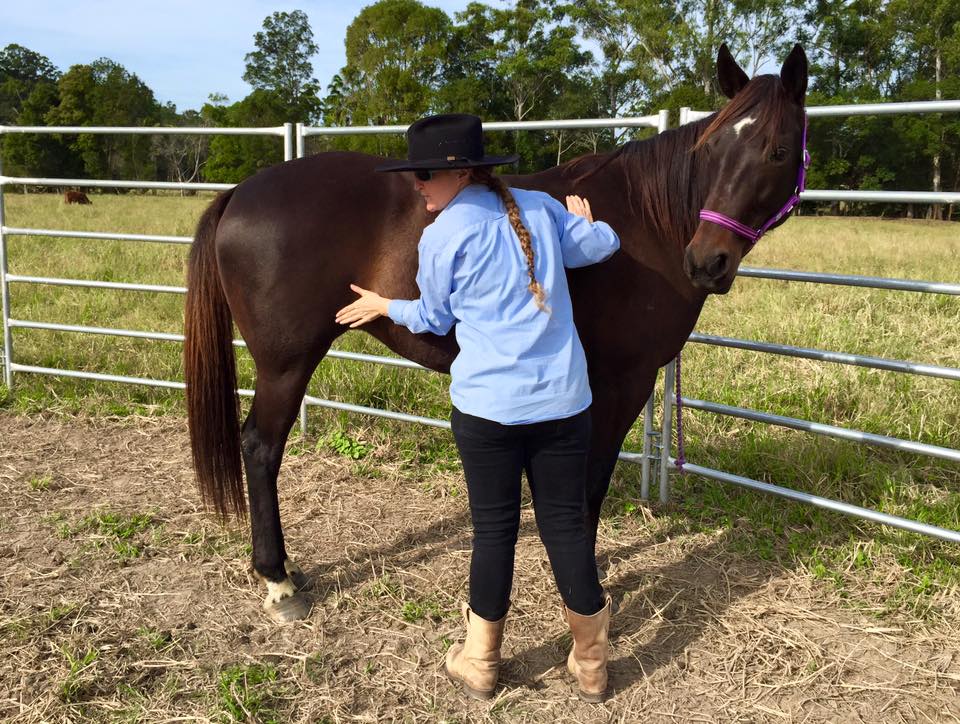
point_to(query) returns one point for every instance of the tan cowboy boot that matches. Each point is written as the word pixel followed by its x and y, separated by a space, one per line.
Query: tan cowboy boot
pixel 588 657
pixel 475 663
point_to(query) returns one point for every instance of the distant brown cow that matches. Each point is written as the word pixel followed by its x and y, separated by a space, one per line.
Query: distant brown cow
pixel 76 197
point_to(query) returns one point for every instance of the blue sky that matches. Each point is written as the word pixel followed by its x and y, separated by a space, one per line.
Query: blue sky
pixel 182 49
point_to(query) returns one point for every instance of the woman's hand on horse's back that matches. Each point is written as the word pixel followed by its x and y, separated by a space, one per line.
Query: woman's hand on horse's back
pixel 368 307
pixel 580 207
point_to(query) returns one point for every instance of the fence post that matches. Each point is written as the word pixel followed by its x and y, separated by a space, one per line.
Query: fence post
pixel 649 435
pixel 7 352
pixel 288 143
pixel 666 431
pixel 648 443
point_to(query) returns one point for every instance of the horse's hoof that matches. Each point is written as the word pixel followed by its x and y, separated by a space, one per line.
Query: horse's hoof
pixel 291 608
pixel 299 578
pixel 284 603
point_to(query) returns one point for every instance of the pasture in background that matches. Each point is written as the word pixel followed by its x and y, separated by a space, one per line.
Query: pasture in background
pixel 898 325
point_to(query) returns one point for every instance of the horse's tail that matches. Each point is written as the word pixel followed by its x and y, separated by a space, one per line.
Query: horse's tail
pixel 211 374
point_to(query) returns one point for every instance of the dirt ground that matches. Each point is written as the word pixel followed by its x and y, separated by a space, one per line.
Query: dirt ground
pixel 121 600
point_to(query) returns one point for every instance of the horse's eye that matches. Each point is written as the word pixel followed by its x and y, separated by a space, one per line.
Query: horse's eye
pixel 779 153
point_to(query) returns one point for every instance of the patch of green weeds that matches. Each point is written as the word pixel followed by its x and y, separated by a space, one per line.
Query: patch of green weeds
pixel 158 640
pixel 59 612
pixel 114 525
pixel 413 611
pixel 203 544
pixel 192 538
pixel 343 444
pixel 16 628
pixel 57 520
pixel 295 449
pixel 367 469
pixel 72 686
pixel 114 531
pixel 133 700
pixel 382 587
pixel 40 483
pixel 244 693
pixel 27 626
pixel 125 550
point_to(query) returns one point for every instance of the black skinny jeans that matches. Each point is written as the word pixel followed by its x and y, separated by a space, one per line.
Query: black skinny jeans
pixel 554 456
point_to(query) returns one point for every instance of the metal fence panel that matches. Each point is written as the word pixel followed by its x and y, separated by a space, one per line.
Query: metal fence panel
pixel 656 445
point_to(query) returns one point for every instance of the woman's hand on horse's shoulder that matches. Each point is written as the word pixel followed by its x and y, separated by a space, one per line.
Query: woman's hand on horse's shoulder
pixel 368 307
pixel 580 207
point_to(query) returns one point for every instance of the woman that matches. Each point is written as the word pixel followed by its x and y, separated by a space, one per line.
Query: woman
pixel 492 263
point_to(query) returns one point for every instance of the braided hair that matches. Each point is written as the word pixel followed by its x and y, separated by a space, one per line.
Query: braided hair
pixel 484 175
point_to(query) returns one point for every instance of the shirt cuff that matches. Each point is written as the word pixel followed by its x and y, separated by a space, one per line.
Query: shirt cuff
pixel 396 308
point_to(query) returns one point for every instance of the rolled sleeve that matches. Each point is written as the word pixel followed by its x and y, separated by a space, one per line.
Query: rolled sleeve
pixel 583 242
pixel 396 310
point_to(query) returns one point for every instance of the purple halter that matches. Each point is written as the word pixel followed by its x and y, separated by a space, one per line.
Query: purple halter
pixel 749 233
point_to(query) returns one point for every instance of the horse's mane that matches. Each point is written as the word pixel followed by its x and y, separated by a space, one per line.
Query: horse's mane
pixel 660 175
pixel 667 174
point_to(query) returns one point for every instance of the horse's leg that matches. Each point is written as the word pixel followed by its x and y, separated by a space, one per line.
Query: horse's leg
pixel 275 405
pixel 616 405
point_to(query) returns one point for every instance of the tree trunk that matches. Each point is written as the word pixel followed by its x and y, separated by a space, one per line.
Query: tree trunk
pixel 707 62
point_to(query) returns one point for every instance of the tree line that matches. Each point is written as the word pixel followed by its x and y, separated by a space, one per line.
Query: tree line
pixel 525 60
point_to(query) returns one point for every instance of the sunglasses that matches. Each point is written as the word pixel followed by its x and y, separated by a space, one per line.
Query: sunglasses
pixel 424 174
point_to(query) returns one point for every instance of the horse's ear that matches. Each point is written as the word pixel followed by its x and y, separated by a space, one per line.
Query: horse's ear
pixel 793 74
pixel 731 76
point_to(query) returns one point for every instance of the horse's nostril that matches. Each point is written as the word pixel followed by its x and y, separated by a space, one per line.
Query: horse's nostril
pixel 718 266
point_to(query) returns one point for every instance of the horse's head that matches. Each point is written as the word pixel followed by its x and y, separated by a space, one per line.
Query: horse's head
pixel 753 151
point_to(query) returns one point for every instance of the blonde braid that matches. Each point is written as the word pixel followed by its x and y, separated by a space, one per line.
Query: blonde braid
pixel 485 176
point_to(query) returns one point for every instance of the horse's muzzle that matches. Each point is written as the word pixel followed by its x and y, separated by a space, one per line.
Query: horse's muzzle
pixel 713 272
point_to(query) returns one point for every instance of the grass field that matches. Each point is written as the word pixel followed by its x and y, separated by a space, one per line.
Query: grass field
pixel 898 325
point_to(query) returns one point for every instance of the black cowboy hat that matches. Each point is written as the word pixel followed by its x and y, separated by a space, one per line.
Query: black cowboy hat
pixel 449 140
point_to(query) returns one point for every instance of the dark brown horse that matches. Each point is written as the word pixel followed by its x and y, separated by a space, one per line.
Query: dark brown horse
pixel 277 255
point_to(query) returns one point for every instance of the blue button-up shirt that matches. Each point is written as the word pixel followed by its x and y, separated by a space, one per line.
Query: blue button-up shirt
pixel 517 364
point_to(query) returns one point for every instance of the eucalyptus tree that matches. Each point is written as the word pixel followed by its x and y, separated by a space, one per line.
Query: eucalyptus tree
pixel 929 33
pixel 396 51
pixel 28 91
pixel 281 65
pixel 104 93
pixel 22 72
pixel 539 70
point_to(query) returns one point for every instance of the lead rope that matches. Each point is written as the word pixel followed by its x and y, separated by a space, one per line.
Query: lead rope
pixel 680 456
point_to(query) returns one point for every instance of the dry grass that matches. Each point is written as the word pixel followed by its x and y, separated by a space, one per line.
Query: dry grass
pixel 121 600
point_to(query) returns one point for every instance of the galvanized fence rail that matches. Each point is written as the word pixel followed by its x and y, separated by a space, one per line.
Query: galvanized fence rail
pixel 294 136
pixel 655 450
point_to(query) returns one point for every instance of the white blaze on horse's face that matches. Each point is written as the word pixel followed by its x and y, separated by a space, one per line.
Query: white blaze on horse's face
pixel 741 124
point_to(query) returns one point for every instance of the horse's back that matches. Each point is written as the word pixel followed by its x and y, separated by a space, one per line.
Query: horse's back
pixel 338 192
pixel 294 236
